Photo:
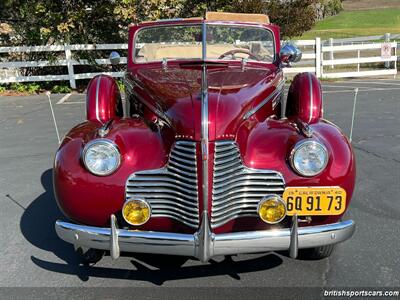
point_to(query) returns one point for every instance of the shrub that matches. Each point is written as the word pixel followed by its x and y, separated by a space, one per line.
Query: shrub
pixel 2 89
pixel 61 89
pixel 19 87
pixel 121 86
pixel 33 88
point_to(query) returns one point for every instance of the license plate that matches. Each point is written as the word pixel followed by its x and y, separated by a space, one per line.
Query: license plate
pixel 315 201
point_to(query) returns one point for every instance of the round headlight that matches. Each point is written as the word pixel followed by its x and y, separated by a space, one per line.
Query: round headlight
pixel 309 158
pixel 101 157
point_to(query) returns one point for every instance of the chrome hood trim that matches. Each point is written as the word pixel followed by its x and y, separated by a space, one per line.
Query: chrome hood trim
pixel 204 125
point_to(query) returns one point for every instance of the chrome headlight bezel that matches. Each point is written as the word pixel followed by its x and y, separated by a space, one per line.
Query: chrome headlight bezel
pixel 299 146
pixel 109 144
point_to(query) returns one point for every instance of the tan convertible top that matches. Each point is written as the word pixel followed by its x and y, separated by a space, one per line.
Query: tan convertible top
pixel 224 16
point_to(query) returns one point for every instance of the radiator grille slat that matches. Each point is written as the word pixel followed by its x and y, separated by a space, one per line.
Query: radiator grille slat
pixel 237 189
pixel 171 191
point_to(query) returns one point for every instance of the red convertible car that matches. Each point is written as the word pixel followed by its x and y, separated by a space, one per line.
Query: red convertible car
pixel 206 157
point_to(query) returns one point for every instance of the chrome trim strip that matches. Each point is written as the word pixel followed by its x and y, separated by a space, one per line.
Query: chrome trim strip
pixel 204 122
pixel 311 96
pixel 204 244
pixel 97 99
pixel 278 90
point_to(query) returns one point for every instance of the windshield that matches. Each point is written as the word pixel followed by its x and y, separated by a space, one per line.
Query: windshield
pixel 226 42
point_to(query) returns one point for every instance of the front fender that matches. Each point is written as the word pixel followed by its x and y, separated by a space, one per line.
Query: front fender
pixel 90 199
pixel 304 101
pixel 103 99
pixel 267 145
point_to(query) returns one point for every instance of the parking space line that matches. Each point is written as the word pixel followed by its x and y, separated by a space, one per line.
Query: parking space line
pixel 361 90
pixel 338 91
pixel 63 99
pixel 336 86
pixel 75 102
pixel 374 82
pixel 83 102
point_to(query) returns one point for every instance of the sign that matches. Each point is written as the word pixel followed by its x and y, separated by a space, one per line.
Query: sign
pixel 386 50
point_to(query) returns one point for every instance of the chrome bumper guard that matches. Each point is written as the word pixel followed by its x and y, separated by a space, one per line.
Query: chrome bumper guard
pixel 204 244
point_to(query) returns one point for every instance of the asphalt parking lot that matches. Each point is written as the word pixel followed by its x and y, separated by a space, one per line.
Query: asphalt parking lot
pixel 33 256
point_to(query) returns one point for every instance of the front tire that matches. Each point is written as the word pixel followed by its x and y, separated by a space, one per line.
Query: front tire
pixel 316 253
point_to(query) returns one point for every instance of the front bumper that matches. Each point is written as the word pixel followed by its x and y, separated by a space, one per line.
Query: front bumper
pixel 204 244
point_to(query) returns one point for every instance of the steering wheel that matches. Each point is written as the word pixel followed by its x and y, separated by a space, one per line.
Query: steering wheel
pixel 234 51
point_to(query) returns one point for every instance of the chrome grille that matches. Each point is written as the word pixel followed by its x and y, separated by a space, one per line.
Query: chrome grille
pixel 172 190
pixel 237 189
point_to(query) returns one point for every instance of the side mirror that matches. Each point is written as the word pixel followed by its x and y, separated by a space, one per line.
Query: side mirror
pixel 290 54
pixel 115 58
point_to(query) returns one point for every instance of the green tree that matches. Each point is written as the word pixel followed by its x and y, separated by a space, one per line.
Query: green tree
pixel 49 22
pixel 293 16
pixel 40 22
pixel 52 22
pixel 68 21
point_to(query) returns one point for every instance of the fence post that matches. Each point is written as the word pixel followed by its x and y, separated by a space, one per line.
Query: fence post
pixel 68 58
pixel 387 39
pixel 331 52
pixel 318 70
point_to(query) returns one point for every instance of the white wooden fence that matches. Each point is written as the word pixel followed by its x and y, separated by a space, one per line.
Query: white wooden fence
pixel 69 62
pixel 350 56
pixel 311 58
pixel 358 60
pixel 312 61
pixel 387 37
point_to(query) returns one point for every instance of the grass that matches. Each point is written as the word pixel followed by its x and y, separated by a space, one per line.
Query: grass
pixel 357 23
pixel 369 4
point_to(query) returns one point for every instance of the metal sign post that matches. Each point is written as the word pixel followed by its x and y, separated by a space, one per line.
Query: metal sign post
pixel 54 118
pixel 354 113
pixel 386 50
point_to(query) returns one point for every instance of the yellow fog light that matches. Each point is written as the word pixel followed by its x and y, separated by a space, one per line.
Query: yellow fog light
pixel 271 209
pixel 136 212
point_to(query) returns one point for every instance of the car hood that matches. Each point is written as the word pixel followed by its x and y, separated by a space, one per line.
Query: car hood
pixel 232 91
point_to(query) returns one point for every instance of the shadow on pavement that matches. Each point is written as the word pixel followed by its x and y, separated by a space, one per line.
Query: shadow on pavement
pixel 37 226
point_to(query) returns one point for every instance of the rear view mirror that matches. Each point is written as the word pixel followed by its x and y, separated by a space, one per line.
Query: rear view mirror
pixel 115 58
pixel 290 54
